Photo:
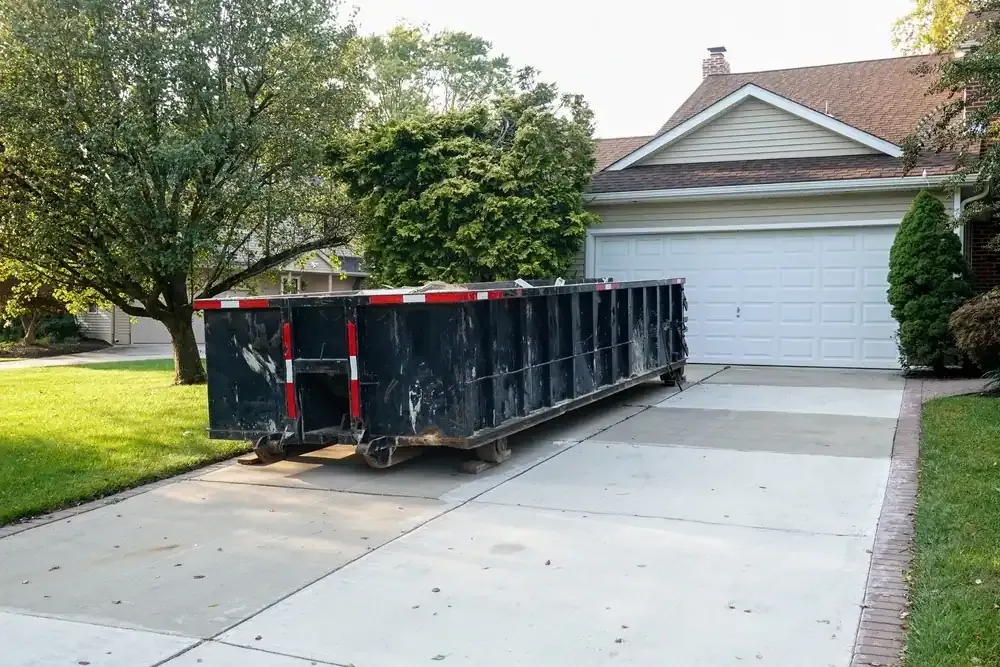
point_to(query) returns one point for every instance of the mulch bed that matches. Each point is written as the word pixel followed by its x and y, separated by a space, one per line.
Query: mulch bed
pixel 18 350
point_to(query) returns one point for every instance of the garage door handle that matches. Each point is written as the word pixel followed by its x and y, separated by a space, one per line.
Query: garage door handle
pixel 737 311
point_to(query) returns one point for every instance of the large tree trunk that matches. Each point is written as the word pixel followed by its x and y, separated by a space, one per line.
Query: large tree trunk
pixel 30 324
pixel 187 361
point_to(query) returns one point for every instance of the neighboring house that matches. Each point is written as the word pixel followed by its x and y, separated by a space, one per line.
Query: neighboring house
pixel 777 195
pixel 314 273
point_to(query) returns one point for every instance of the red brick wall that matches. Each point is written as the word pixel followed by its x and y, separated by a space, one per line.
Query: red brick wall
pixel 985 261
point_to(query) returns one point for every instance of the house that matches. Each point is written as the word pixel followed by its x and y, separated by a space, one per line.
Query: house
pixel 335 270
pixel 777 194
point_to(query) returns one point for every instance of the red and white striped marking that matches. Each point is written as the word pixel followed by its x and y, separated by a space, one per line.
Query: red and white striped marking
pixel 435 297
pixel 355 380
pixel 388 299
pixel 286 343
pixel 219 304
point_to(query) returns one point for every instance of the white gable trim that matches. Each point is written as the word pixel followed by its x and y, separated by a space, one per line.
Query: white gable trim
pixel 783 103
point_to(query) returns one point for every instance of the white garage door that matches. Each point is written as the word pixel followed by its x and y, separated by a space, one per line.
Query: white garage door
pixel 812 297
pixel 146 330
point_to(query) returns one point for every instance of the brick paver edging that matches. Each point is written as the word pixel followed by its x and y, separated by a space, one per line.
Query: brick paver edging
pixel 882 633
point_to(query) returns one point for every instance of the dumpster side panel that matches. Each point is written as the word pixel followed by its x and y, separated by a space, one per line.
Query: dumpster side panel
pixel 413 370
pixel 245 369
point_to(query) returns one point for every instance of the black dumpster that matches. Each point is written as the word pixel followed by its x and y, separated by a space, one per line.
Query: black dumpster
pixel 454 365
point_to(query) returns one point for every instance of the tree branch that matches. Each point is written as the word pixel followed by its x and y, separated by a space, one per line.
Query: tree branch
pixel 270 262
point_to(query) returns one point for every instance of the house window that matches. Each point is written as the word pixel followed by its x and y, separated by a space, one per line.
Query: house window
pixel 92 308
pixel 291 285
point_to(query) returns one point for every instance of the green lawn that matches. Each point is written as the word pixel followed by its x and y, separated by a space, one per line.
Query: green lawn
pixel 69 434
pixel 955 620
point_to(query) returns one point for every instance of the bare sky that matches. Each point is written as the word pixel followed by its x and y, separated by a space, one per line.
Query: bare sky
pixel 635 61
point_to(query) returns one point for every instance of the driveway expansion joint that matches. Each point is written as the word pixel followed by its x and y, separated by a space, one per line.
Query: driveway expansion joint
pixel 677 519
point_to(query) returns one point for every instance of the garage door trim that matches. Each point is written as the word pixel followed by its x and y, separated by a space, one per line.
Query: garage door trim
pixel 590 250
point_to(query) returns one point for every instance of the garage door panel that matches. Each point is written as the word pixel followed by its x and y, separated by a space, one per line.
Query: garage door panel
pixel 758 348
pixel 760 278
pixel 839 313
pixel 881 349
pixel 838 349
pixel 876 241
pixel 873 313
pixel 840 277
pixel 647 246
pixel 759 312
pixel 797 349
pixel 805 297
pixel 875 277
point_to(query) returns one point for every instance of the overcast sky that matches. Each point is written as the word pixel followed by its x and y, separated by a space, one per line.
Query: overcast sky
pixel 635 61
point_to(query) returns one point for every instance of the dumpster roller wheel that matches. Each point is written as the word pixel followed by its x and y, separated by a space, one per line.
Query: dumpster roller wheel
pixel 381 454
pixel 497 451
pixel 268 449
pixel 673 379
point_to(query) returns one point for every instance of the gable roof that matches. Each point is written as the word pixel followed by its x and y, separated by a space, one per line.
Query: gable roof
pixel 612 150
pixel 885 98
pixel 741 94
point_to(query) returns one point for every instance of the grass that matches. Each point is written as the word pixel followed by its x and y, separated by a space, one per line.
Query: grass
pixel 955 619
pixel 70 434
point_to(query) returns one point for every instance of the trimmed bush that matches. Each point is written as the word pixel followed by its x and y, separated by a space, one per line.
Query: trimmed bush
pixel 976 327
pixel 60 328
pixel 928 281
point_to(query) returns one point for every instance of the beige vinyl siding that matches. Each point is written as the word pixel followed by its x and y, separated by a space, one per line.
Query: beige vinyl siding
pixel 123 327
pixel 755 130
pixel 577 268
pixel 787 210
pixel 96 325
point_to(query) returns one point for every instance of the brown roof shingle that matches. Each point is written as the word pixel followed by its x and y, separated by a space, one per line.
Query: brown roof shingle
pixel 886 98
pixel 756 172
pixel 612 150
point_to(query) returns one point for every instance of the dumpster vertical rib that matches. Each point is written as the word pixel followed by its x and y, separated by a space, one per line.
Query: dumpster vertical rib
pixel 286 340
pixel 355 380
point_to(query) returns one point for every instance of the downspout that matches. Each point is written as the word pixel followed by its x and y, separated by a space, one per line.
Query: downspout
pixel 962 203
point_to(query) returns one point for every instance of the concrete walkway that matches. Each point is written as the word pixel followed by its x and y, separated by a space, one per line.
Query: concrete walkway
pixel 116 353
pixel 728 524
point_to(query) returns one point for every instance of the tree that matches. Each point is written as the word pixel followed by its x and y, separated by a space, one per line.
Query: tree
pixel 933 25
pixel 966 127
pixel 26 296
pixel 928 281
pixel 159 151
pixel 492 193
pixel 410 71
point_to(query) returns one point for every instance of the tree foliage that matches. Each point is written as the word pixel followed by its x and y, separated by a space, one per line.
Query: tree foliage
pixel 928 281
pixel 932 26
pixel 976 331
pixel 966 127
pixel 158 151
pixel 27 297
pixel 410 71
pixel 491 193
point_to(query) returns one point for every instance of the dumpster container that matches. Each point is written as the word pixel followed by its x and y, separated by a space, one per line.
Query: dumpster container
pixel 463 366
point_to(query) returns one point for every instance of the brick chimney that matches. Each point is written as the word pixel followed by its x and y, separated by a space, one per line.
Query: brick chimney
pixel 715 63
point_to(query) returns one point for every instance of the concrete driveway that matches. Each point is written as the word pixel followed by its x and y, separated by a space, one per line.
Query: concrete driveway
pixel 728 524
pixel 116 353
